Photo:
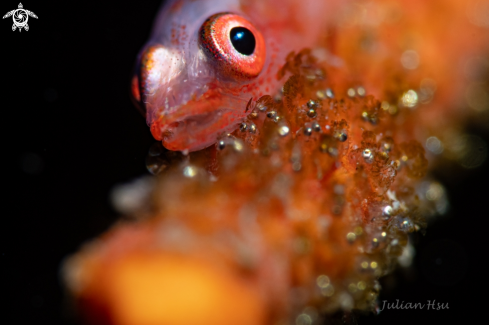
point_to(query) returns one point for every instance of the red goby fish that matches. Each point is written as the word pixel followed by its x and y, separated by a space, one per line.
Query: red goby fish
pixel 205 60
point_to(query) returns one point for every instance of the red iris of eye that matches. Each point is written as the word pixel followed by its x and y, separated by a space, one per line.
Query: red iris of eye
pixel 234 45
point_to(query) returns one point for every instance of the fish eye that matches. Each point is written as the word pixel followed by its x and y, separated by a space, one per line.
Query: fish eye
pixel 234 45
pixel 243 40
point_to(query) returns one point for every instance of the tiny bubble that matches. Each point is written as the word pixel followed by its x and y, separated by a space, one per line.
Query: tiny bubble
pixel 252 128
pixel 361 91
pixel 307 130
pixel 221 145
pixel 243 127
pixel 312 113
pixel 312 104
pixel 189 171
pixel 329 93
pixel 316 127
pixel 262 108
pixel 283 130
pixel 368 155
pixel 387 212
pixel 341 136
pixel 296 166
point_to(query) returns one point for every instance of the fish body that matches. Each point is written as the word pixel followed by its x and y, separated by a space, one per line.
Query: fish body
pixel 187 95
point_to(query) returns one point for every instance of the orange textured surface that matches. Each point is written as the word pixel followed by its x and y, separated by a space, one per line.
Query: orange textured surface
pixel 302 209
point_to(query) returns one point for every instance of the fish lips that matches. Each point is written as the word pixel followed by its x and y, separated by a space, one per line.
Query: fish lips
pixel 199 123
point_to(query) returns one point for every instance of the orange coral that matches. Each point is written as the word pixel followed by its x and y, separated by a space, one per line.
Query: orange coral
pixel 301 210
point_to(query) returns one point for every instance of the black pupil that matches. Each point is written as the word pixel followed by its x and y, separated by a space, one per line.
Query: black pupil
pixel 243 40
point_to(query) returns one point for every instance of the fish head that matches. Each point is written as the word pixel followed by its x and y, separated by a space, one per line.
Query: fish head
pixel 204 62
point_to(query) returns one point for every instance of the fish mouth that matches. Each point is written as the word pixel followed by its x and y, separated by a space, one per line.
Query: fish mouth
pixel 199 123
pixel 198 131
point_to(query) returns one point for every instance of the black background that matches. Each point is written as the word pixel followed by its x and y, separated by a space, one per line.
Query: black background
pixel 65 98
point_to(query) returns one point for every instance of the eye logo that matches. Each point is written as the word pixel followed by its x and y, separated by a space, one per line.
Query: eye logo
pixel 20 17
